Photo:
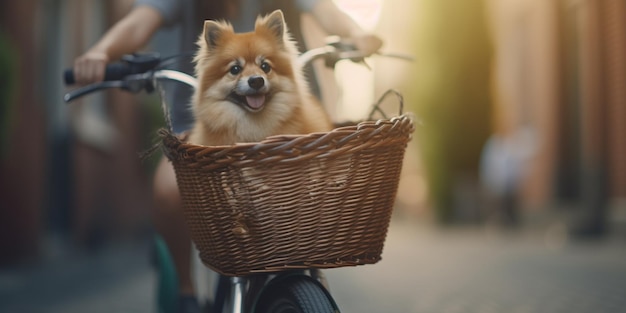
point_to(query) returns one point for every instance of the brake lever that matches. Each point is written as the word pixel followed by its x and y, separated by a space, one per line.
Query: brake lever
pixel 405 57
pixel 132 83
pixel 354 56
pixel 77 93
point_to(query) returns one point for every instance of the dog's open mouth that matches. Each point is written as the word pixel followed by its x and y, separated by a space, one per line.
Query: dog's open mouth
pixel 252 103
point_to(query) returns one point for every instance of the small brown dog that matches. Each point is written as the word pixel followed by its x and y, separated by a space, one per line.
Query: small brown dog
pixel 250 86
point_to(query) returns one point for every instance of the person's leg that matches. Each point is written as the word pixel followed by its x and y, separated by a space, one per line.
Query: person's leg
pixel 170 223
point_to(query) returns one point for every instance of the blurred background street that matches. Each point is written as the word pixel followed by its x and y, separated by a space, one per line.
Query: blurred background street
pixel 424 269
pixel 513 192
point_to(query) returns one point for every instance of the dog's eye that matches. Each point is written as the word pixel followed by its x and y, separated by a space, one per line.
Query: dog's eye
pixel 266 67
pixel 235 69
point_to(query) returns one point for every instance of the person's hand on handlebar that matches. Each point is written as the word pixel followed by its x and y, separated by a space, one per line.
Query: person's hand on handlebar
pixel 89 67
pixel 127 36
pixel 368 44
pixel 336 22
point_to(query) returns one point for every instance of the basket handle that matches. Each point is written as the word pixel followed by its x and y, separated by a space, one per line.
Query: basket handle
pixel 376 107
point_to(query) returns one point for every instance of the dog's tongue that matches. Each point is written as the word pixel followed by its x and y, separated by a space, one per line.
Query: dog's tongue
pixel 255 102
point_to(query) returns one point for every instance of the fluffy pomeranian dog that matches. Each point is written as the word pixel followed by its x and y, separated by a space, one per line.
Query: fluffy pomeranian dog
pixel 250 85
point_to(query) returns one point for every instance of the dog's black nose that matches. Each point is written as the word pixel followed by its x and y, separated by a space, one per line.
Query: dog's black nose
pixel 256 82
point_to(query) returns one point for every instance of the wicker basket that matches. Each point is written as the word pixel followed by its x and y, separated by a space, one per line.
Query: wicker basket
pixel 321 200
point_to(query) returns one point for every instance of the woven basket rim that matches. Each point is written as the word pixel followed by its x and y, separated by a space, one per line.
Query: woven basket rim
pixel 172 142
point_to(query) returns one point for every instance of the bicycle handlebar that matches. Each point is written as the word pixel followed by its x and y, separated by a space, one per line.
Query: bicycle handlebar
pixel 129 65
pixel 136 72
pixel 113 71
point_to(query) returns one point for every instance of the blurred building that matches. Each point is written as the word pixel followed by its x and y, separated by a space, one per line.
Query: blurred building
pixel 69 173
pixel 22 131
pixel 559 77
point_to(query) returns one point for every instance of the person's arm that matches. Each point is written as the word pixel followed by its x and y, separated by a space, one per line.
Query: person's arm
pixel 128 35
pixel 337 22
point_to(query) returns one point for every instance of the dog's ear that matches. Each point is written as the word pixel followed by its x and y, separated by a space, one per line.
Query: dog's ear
pixel 212 32
pixel 275 23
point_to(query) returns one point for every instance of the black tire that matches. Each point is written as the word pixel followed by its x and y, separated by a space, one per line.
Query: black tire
pixel 296 295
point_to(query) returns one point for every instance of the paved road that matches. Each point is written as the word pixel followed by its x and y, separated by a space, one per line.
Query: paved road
pixel 484 272
pixel 423 270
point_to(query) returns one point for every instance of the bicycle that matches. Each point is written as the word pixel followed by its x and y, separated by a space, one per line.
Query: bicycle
pixel 331 205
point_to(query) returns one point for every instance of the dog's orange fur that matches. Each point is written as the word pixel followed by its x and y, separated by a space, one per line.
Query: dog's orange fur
pixel 288 106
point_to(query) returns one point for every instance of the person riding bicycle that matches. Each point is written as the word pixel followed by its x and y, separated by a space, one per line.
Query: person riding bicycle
pixel 134 31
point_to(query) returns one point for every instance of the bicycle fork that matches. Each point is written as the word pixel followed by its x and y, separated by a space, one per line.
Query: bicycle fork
pixel 242 291
pixel 238 287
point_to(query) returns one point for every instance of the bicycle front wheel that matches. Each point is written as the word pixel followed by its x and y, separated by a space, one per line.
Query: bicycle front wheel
pixel 298 294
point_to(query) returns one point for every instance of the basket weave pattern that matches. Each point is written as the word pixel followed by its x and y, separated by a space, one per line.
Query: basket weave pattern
pixel 321 200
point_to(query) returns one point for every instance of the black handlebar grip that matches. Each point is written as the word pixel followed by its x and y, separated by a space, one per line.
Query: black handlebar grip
pixel 68 76
pixel 113 71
